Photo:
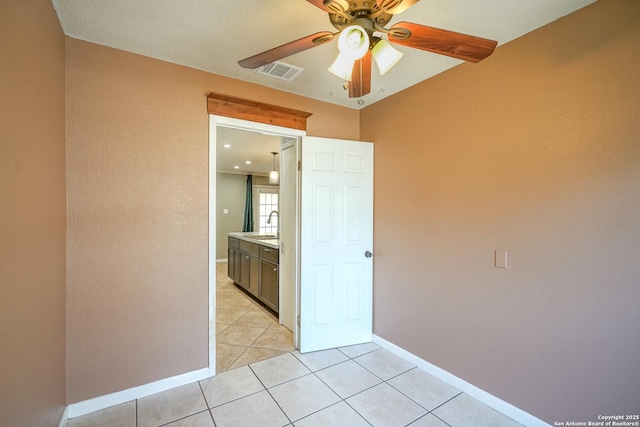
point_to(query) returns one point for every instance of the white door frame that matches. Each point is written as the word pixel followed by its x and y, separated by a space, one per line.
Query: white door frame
pixel 214 122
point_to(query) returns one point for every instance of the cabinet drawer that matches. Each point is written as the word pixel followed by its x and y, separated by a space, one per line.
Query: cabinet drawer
pixel 269 254
pixel 233 242
pixel 248 247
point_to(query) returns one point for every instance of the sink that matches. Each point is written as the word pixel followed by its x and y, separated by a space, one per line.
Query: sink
pixel 264 237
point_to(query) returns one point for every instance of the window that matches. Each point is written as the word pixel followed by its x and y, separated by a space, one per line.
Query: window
pixel 265 201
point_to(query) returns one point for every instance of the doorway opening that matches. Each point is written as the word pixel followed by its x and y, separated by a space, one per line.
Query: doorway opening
pixel 289 188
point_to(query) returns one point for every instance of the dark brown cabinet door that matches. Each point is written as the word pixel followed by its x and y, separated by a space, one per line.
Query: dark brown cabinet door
pixel 245 270
pixel 231 264
pixel 236 269
pixel 254 275
pixel 268 292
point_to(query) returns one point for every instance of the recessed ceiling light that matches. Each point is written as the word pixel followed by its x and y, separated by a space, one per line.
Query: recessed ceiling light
pixel 227 145
pixel 248 162
pixel 236 167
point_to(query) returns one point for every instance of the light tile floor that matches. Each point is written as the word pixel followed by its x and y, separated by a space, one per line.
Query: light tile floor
pixel 356 386
pixel 246 332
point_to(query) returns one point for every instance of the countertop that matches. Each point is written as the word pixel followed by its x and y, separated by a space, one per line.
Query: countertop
pixel 255 237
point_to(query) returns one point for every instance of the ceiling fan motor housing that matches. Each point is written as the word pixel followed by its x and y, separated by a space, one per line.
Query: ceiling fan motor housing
pixel 364 12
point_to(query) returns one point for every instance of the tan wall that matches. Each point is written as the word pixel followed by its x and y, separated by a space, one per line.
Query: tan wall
pixel 535 151
pixel 137 147
pixel 32 215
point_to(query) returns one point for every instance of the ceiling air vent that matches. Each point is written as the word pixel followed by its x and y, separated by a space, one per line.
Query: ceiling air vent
pixel 280 70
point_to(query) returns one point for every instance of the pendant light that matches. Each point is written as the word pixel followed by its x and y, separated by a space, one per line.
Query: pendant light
pixel 274 175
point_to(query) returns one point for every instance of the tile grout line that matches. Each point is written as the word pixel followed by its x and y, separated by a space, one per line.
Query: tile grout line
pixel 270 395
pixel 441 405
pixel 184 418
pixel 447 401
pixel 356 411
pixel 355 394
pixel 255 307
pixel 341 399
pixel 206 402
pixel 443 421
pixel 203 395
pixel 368 370
pixel 349 358
pixel 382 381
pixel 250 346
pixel 279 407
pixel 411 399
pixel 234 360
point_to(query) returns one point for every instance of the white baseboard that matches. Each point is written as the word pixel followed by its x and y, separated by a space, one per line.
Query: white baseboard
pixel 91 405
pixel 488 399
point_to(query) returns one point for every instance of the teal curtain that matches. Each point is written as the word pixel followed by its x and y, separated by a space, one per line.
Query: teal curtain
pixel 248 206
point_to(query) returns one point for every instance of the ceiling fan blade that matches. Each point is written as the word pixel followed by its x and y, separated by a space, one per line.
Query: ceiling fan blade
pixel 285 50
pixel 360 83
pixel 444 42
pixel 319 3
pixel 395 6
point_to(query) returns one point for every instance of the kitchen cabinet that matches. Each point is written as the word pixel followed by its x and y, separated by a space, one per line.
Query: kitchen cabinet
pixel 249 272
pixel 254 267
pixel 233 259
pixel 249 266
pixel 269 284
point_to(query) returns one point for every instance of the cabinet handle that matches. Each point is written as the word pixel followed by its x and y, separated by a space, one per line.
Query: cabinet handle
pixel 267 250
pixel 275 269
pixel 247 257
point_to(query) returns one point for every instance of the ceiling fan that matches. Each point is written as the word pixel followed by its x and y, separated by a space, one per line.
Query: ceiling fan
pixel 357 21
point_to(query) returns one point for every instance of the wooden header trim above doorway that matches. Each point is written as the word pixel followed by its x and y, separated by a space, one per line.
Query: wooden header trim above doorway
pixel 238 108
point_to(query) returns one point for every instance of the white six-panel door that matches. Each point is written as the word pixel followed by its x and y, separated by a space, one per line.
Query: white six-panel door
pixel 336 289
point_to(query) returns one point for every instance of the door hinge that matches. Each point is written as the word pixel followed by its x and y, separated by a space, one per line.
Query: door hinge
pixel 298 320
pixel 299 165
pixel 281 248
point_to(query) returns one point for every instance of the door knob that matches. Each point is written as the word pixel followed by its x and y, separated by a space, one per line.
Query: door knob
pixel 368 254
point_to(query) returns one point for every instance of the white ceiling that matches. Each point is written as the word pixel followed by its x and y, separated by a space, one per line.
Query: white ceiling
pixel 254 147
pixel 213 35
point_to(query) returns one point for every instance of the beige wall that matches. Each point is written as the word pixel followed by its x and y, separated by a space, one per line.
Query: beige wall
pixel 137 181
pixel 230 195
pixel 32 215
pixel 535 150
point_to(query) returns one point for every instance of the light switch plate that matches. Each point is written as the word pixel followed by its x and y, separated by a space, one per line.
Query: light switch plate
pixel 501 258
pixel 225 211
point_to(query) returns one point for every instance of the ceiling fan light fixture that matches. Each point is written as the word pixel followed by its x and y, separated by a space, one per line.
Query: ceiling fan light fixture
pixel 385 55
pixel 342 67
pixel 353 42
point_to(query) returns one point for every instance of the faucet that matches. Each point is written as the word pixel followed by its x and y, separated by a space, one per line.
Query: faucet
pixel 269 222
pixel 269 219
